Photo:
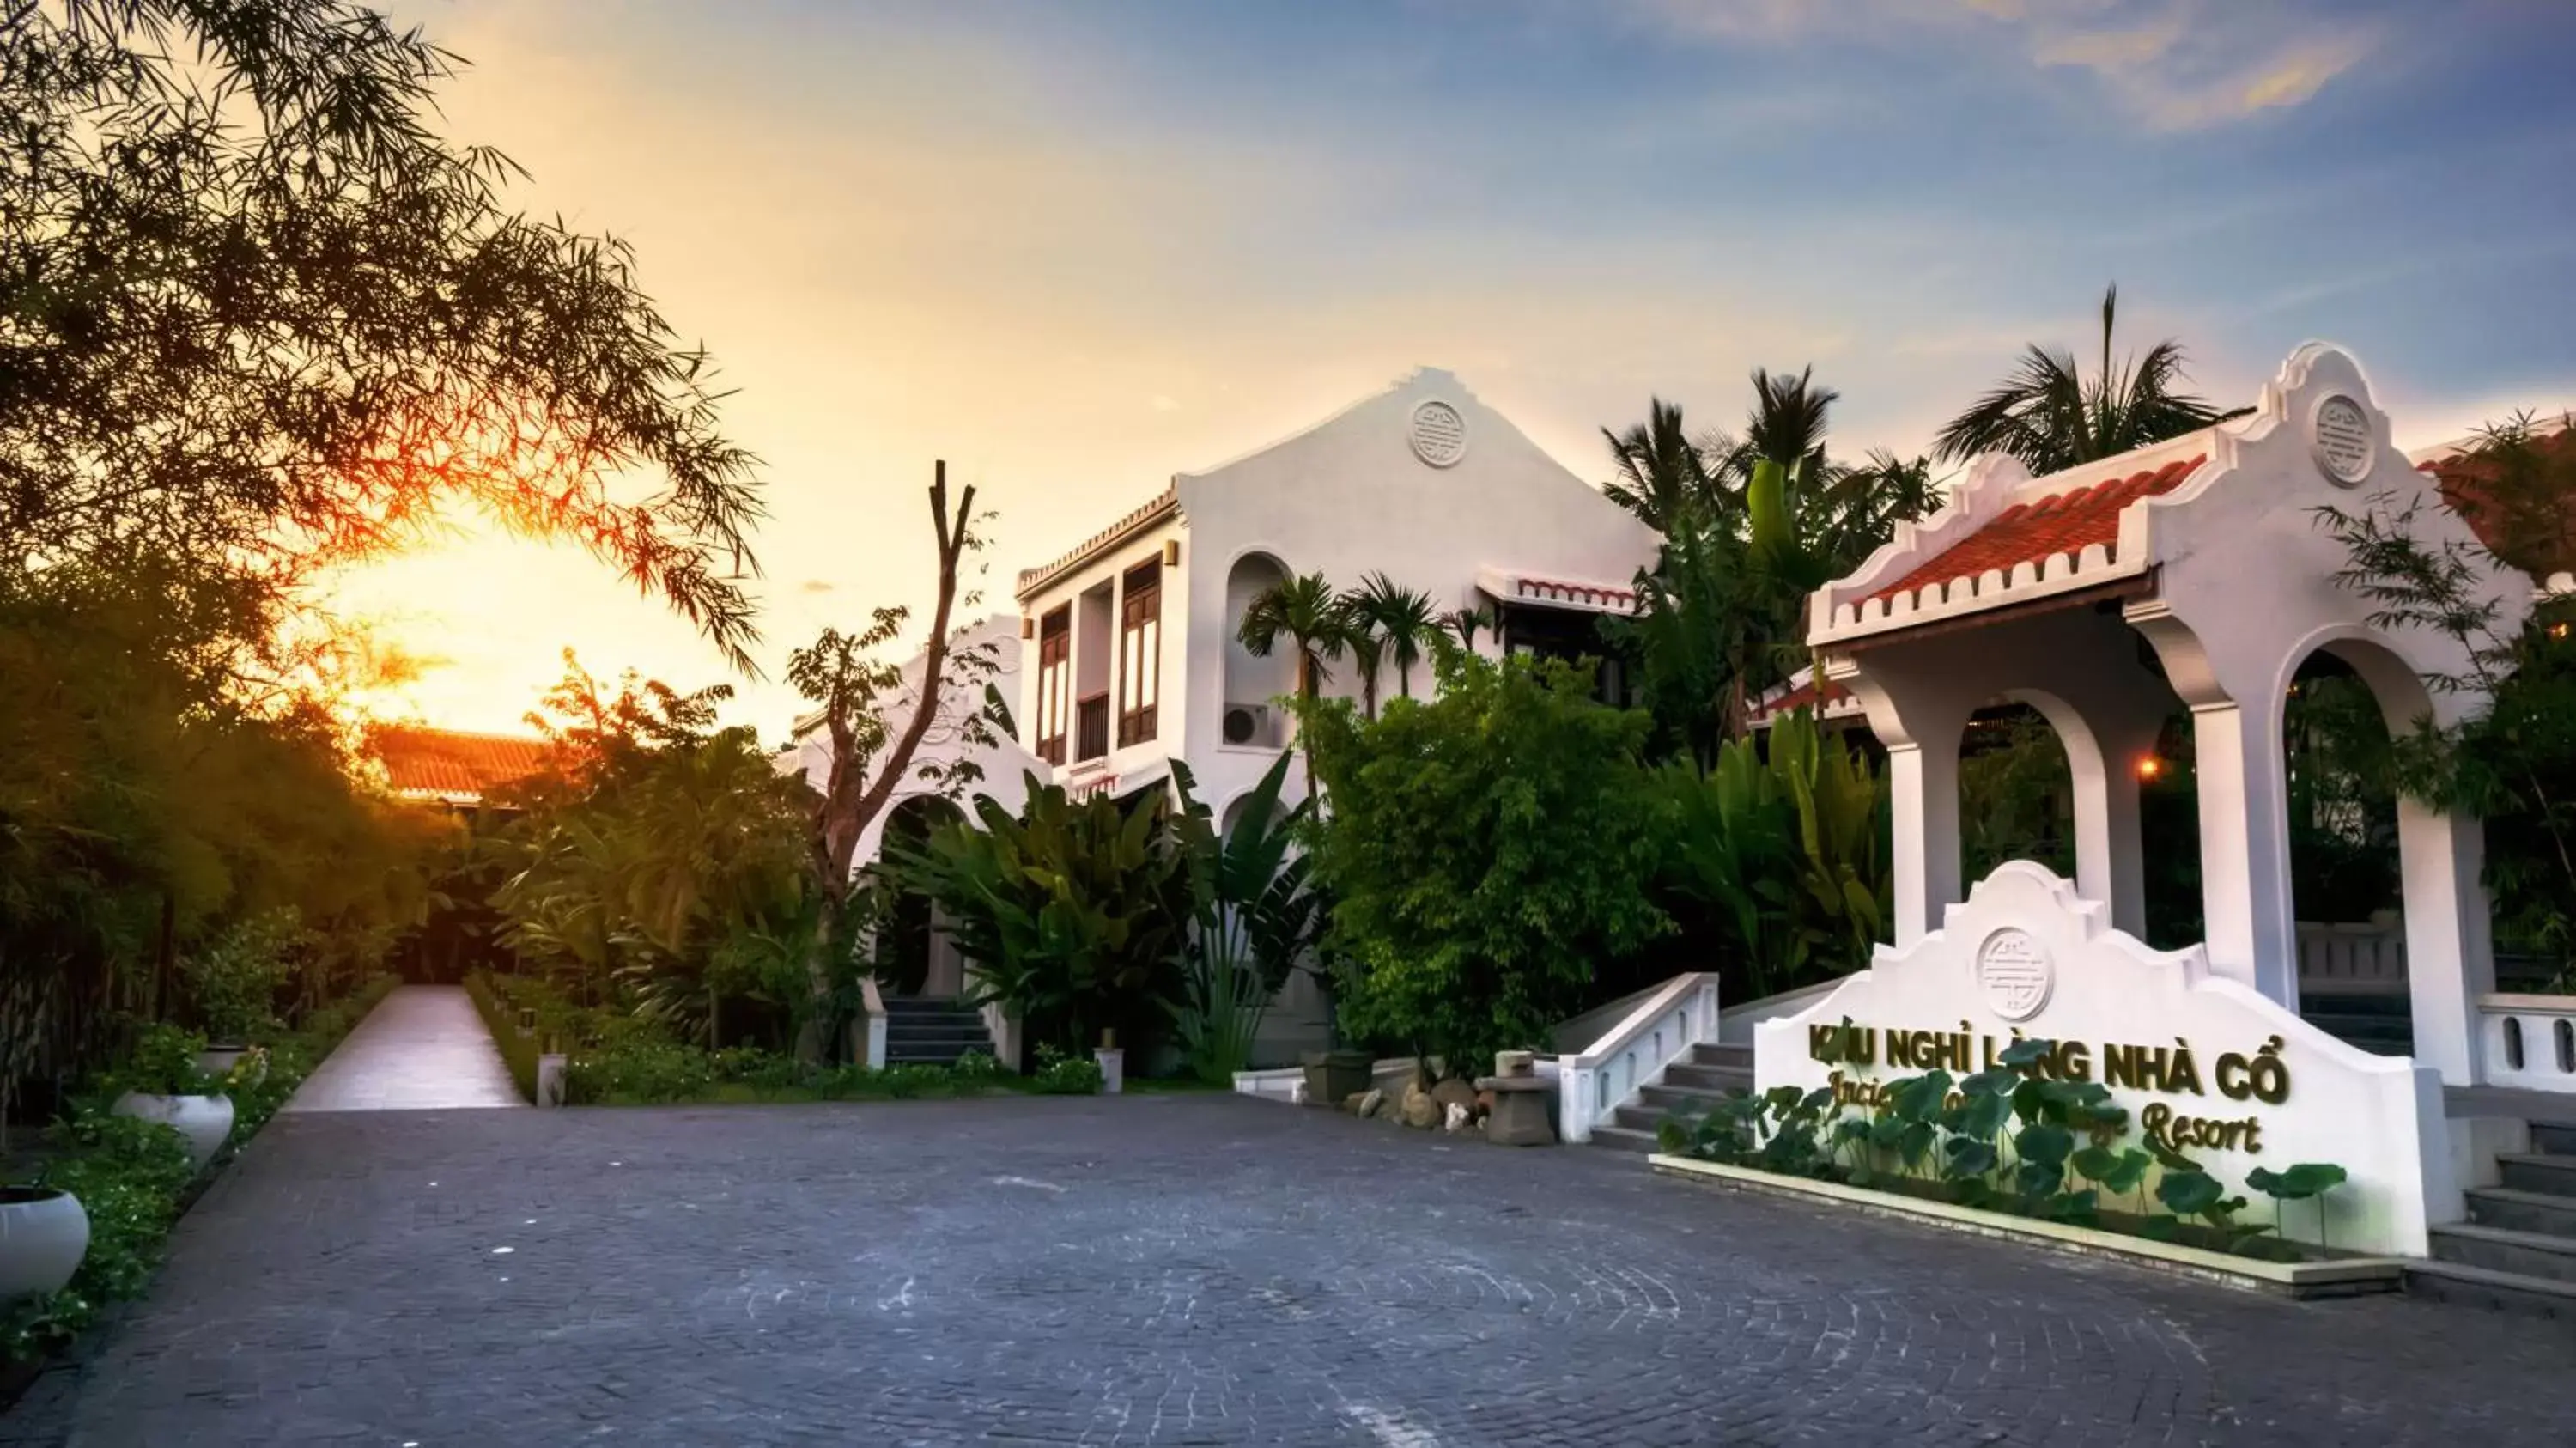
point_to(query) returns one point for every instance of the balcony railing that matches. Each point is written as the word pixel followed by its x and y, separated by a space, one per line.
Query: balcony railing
pixel 1091 727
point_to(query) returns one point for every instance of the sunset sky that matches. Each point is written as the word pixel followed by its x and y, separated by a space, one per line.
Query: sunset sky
pixel 1076 247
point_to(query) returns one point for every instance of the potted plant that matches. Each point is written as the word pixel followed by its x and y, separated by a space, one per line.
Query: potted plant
pixel 43 1236
pixel 164 1083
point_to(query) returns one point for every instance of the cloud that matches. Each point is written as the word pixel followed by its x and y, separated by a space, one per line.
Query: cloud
pixel 2174 64
pixel 814 585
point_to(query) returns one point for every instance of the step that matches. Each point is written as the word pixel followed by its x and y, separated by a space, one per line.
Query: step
pixel 942 1030
pixel 2498 1291
pixel 1687 1100
pixel 2558 1138
pixel 2527 1254
pixel 1708 1078
pixel 1625 1138
pixel 1738 1058
pixel 1647 1119
pixel 2522 1211
pixel 2540 1172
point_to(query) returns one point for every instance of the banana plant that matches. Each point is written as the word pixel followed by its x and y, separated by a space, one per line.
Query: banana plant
pixel 1253 916
pixel 1068 910
pixel 1790 849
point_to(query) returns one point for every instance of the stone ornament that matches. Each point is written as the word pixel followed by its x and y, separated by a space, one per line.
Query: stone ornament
pixel 2343 440
pixel 1438 434
pixel 2015 973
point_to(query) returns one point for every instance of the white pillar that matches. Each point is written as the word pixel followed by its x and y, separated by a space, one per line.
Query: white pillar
pixel 1923 785
pixel 2244 852
pixel 2450 954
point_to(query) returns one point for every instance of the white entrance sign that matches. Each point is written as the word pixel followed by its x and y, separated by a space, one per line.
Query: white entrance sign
pixel 2207 1066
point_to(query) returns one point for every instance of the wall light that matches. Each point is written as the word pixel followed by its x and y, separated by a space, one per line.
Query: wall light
pixel 2149 767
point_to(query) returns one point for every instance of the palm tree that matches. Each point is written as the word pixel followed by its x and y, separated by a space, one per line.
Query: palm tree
pixel 1308 613
pixel 1401 619
pixel 1466 623
pixel 1663 476
pixel 1787 424
pixel 2052 417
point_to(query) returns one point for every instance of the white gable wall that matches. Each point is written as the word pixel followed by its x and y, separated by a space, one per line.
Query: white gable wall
pixel 1351 497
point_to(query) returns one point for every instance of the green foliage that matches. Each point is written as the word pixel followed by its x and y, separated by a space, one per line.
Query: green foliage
pixel 1749 527
pixel 1253 917
pixel 1073 913
pixel 662 863
pixel 2051 416
pixel 1483 850
pixel 164 1063
pixel 131 1175
pixel 2512 762
pixel 1788 850
pixel 2013 1138
pixel 235 979
pixel 1059 1074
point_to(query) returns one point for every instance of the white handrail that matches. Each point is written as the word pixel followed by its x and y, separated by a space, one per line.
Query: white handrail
pixel 1594 1083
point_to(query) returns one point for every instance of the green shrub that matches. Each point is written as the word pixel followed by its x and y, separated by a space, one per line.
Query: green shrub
pixel 235 979
pixel 164 1063
pixel 643 1071
pixel 1484 850
pixel 517 1053
pixel 1062 1075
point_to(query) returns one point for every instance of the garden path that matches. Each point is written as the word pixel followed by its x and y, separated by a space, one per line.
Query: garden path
pixel 424 1048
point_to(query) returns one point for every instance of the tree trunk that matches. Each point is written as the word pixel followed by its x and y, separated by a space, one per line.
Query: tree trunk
pixel 853 798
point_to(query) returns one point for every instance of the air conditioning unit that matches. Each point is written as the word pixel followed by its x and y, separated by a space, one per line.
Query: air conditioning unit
pixel 1247 724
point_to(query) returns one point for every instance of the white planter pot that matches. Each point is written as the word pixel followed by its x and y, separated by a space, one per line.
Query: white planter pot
pixel 219 1061
pixel 204 1120
pixel 1113 1069
pixel 43 1235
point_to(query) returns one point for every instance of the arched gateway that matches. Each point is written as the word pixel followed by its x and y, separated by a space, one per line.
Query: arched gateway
pixel 2209 549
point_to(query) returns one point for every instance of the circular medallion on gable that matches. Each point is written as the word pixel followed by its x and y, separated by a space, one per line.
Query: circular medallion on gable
pixel 2014 971
pixel 1439 434
pixel 2342 436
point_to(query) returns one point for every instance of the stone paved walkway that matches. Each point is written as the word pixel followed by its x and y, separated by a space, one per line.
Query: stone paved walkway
pixel 1181 1270
pixel 423 1048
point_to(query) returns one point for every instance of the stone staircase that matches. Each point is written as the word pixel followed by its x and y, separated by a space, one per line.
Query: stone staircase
pixel 1689 1087
pixel 2517 1251
pixel 933 1032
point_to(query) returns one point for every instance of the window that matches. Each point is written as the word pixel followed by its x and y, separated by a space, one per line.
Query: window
pixel 1140 652
pixel 1055 683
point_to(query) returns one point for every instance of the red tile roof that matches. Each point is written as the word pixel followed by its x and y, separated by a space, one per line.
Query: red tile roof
pixel 452 765
pixel 1803 696
pixel 2031 532
pixel 1594 595
pixel 2463 477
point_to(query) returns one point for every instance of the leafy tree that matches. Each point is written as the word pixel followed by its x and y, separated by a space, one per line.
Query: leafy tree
pixel 2052 417
pixel 1751 527
pixel 1484 848
pixel 655 855
pixel 2513 762
pixel 261 317
pixel 856 693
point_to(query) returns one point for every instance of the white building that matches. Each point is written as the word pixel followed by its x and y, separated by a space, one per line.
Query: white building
pixel 1136 658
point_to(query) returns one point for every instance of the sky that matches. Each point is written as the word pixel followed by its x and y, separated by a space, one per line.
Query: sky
pixel 1075 248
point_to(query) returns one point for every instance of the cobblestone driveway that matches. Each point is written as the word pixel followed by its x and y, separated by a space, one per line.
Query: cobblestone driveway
pixel 1180 1270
